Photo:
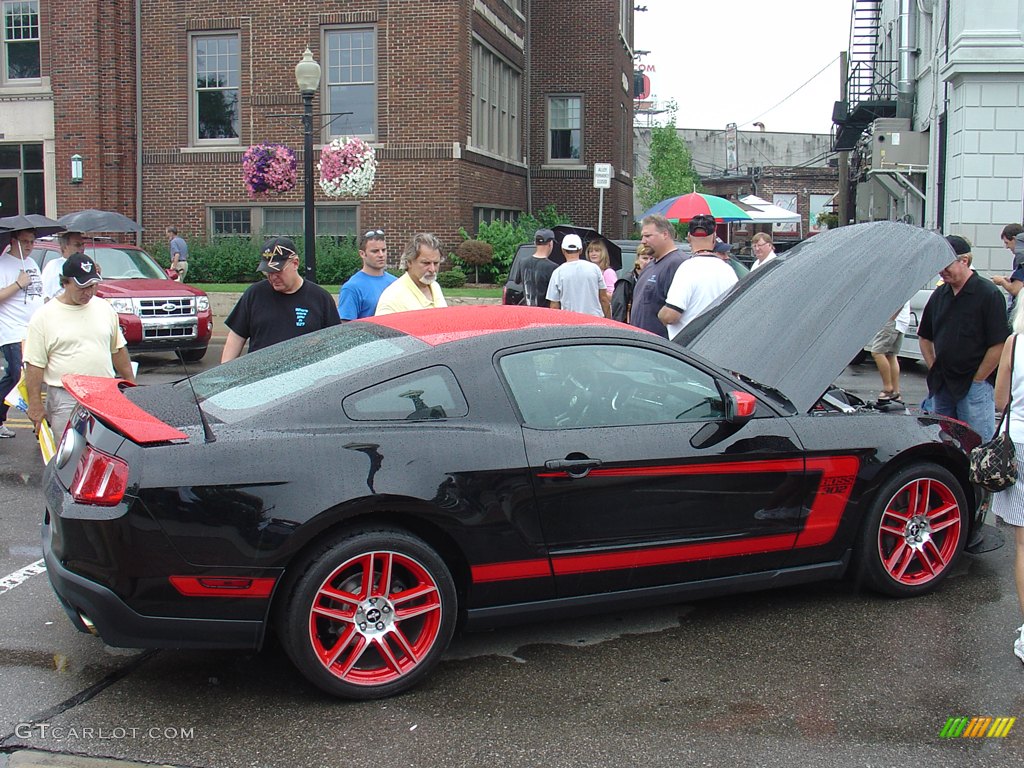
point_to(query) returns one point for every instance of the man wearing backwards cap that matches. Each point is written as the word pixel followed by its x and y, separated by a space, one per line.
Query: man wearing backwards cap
pixel 21 294
pixel 279 308
pixel 72 334
pixel 699 281
pixel 578 285
pixel 962 331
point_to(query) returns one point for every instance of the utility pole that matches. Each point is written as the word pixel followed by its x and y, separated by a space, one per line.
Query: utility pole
pixel 843 197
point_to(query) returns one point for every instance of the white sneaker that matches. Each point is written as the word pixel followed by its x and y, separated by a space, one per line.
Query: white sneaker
pixel 6 431
pixel 1018 644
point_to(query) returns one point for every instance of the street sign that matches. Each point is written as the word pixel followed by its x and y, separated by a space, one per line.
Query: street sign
pixel 602 175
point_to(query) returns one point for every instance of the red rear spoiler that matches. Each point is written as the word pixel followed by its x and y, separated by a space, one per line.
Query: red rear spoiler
pixel 104 398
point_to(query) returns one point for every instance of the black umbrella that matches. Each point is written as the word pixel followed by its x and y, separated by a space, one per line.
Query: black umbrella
pixel 796 322
pixel 91 220
pixel 587 235
pixel 41 224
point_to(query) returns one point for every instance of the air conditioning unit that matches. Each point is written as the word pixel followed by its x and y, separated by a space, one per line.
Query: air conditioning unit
pixel 894 146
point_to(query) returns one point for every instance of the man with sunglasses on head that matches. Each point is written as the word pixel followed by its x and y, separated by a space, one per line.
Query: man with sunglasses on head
pixel 282 307
pixel 361 292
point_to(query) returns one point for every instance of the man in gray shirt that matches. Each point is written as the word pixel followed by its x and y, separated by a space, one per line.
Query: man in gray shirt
pixel 578 285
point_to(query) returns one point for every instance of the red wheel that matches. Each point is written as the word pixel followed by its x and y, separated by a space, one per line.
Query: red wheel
pixel 371 615
pixel 915 532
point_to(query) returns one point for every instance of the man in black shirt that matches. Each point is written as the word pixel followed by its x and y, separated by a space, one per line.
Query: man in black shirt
pixel 279 308
pixel 962 331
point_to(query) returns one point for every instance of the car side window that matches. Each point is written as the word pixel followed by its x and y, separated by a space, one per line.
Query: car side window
pixel 429 394
pixel 603 385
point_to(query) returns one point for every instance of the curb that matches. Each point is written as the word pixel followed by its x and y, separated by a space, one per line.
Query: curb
pixel 33 759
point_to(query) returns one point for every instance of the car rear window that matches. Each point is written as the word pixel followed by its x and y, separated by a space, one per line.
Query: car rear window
pixel 274 375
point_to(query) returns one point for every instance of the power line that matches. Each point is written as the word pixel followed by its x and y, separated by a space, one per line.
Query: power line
pixel 787 98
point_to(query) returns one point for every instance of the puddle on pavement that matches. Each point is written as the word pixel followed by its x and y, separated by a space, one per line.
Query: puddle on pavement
pixel 507 641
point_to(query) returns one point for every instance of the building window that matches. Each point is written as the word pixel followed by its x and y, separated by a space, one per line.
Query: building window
pixel 282 221
pixel 336 221
pixel 351 82
pixel 565 128
pixel 21 41
pixel 495 113
pixel 230 222
pixel 215 62
pixel 518 5
pixel 482 215
pixel 22 189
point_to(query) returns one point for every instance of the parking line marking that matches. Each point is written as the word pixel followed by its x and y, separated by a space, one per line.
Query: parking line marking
pixel 11 580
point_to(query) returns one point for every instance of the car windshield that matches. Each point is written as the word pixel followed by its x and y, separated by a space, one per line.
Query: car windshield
pixel 126 264
pixel 277 374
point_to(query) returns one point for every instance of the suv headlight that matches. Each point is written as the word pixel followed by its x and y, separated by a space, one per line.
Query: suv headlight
pixel 123 306
pixel 202 303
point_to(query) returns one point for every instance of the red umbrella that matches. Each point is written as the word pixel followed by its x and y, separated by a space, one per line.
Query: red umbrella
pixel 685 207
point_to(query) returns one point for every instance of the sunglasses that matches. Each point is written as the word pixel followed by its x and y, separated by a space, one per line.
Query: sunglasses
pixel 541 241
pixel 372 232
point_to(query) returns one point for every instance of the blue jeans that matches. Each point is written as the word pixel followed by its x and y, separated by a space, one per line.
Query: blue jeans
pixel 12 373
pixel 977 408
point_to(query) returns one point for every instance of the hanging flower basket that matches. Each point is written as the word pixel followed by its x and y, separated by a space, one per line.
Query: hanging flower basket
pixel 348 166
pixel 268 168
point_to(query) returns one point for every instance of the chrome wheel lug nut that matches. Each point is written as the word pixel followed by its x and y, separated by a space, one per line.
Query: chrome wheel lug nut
pixel 362 625
pixel 380 625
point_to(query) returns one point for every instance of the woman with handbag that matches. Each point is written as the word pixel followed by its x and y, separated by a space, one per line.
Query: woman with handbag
pixel 1008 505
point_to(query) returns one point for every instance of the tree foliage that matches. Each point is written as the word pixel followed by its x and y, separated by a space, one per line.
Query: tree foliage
pixel 505 237
pixel 670 169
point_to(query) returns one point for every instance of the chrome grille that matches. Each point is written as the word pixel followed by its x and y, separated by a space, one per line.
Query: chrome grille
pixel 181 332
pixel 183 306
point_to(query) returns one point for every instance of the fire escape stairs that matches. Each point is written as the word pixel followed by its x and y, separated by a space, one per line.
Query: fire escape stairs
pixel 871 82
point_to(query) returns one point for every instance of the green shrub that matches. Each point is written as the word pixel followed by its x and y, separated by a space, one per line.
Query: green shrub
pixel 504 237
pixel 235 259
pixel 453 278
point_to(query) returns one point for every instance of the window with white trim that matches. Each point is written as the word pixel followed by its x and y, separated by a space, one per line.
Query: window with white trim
pixel 350 82
pixel 565 129
pixel 282 221
pixel 21 60
pixel 216 71
pixel 495 111
pixel 626 21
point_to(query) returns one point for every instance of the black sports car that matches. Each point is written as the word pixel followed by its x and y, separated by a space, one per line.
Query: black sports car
pixel 363 490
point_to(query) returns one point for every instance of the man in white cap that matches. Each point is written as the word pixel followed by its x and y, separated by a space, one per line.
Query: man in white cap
pixel 578 285
pixel 72 334
pixel 21 294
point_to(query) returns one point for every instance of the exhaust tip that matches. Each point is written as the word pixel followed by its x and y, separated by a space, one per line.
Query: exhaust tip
pixel 87 623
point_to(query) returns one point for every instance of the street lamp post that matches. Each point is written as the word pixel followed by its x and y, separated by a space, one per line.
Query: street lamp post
pixel 307 76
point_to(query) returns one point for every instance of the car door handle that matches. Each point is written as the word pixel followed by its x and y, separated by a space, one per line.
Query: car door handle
pixel 572 465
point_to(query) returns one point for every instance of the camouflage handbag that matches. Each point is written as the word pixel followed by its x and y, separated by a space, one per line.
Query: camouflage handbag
pixel 994 464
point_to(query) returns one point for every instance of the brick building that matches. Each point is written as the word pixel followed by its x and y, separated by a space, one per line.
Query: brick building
pixel 478 109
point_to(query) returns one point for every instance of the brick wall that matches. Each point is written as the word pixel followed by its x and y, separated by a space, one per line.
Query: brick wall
pixel 93 81
pixel 428 179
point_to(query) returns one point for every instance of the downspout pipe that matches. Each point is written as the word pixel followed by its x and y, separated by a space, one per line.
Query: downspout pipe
pixel 138 117
pixel 907 69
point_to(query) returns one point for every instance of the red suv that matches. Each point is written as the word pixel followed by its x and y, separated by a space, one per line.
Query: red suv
pixel 156 313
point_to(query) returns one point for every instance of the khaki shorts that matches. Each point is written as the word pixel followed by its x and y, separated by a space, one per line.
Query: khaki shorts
pixel 887 341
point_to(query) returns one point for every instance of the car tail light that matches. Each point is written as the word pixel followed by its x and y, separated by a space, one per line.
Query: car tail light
pixel 99 479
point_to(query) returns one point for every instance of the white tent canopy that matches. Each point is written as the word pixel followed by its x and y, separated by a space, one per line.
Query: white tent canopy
pixel 769 212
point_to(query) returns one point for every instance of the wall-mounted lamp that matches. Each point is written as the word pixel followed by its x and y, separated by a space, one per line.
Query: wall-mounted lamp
pixel 76 169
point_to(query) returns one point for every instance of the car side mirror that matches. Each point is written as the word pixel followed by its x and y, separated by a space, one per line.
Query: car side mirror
pixel 740 407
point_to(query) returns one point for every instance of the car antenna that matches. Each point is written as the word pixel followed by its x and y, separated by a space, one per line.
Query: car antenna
pixel 207 431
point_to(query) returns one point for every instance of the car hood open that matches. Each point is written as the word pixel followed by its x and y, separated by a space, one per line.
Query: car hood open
pixel 795 323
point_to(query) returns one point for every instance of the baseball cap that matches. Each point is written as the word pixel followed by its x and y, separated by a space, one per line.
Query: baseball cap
pixel 702 225
pixel 721 246
pixel 275 254
pixel 572 243
pixel 959 244
pixel 81 269
pixel 543 236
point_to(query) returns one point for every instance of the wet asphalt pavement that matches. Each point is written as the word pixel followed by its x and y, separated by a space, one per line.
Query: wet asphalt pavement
pixel 820 675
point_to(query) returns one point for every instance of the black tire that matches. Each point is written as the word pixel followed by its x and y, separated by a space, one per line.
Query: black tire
pixel 914 533
pixel 348 634
pixel 193 355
